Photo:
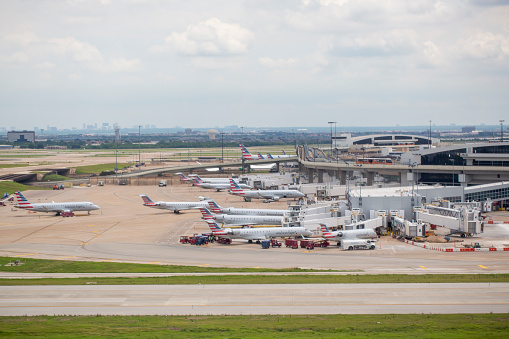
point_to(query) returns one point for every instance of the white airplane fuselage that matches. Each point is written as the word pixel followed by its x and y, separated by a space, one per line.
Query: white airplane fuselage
pixel 352 234
pixel 58 207
pixel 265 233
pixel 232 219
pixel 253 211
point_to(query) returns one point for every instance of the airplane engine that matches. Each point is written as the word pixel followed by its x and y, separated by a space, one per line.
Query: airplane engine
pixel 275 198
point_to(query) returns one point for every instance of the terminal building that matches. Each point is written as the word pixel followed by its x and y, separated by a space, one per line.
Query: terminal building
pixel 21 136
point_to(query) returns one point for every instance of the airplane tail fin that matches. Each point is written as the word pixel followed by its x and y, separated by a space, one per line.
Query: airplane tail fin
pixel 245 153
pixel 22 201
pixel 147 201
pixel 284 153
pixel 325 230
pixel 214 207
pixel 235 188
pixel 270 156
pixel 196 181
pixel 206 213
pixel 215 229
pixel 182 176
pixel 260 156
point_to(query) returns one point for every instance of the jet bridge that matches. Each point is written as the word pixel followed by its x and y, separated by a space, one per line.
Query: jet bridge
pixel 462 220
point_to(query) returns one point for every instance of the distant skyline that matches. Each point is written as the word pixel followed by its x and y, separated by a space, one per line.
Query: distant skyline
pixel 259 63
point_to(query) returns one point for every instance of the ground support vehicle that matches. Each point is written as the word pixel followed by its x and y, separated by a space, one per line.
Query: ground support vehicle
pixel 184 239
pixel 293 243
pixel 275 243
pixel 357 244
pixel 224 241
pixel 265 243
pixel 305 243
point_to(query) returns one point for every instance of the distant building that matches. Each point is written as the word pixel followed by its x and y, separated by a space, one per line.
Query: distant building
pixel 21 136
pixel 467 129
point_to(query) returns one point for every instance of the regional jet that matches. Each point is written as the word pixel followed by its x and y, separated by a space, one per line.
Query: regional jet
pixel 215 208
pixel 367 233
pixel 242 220
pixel 56 207
pixel 269 195
pixel 215 186
pixel 176 207
pixel 259 233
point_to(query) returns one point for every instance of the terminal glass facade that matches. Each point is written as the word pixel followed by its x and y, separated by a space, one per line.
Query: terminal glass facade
pixel 495 194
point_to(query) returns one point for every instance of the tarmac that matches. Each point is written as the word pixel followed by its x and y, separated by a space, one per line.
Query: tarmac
pixel 254 299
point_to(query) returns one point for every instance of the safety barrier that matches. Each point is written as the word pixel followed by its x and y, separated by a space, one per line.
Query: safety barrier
pixel 445 249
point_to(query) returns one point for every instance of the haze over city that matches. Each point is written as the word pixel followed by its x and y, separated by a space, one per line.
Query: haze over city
pixel 253 63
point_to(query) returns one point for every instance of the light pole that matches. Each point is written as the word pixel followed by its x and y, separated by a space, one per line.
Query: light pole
pixel 330 123
pixel 242 142
pixel 429 135
pixel 336 136
pixel 139 148
pixel 222 148
pixel 501 130
pixel 452 160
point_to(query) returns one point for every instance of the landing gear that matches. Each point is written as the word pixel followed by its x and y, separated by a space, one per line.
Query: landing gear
pixel 250 241
pixel 176 211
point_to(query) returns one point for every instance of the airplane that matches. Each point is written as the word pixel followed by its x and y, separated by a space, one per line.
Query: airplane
pixel 183 177
pixel 176 207
pixel 242 220
pixel 246 155
pixel 215 186
pixel 274 195
pixel 270 156
pixel 215 208
pixel 210 180
pixel 259 233
pixel 367 233
pixel 261 157
pixel 57 207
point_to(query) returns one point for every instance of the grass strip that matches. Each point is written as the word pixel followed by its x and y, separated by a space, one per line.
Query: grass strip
pixel 266 279
pixel 10 187
pixel 260 326
pixel 30 265
pixel 12 165
pixel 100 168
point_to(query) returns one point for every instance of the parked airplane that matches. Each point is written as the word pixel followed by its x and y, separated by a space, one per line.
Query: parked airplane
pixel 209 180
pixel 214 207
pixel 215 186
pixel 270 156
pixel 176 207
pixel 242 220
pixel 367 233
pixel 260 156
pixel 57 207
pixel 263 194
pixel 246 155
pixel 259 233
pixel 183 177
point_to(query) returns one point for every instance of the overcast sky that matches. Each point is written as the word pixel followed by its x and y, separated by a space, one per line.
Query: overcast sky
pixel 253 63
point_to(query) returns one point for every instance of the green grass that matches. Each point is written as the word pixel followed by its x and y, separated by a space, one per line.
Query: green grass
pixel 65 266
pixel 10 187
pixel 266 279
pixel 260 326
pixel 100 168
pixel 54 177
pixel 12 165
pixel 25 155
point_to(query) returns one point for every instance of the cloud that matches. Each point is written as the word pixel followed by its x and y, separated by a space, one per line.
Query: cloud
pixel 396 42
pixel 278 63
pixel 485 45
pixel 209 38
pixel 431 56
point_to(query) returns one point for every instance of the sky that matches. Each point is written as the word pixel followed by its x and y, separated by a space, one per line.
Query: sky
pixel 260 63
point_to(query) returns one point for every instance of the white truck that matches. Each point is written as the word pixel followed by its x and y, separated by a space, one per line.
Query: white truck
pixel 163 183
pixel 357 244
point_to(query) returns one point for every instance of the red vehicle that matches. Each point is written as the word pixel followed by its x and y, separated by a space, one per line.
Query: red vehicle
pixel 293 243
pixel 306 243
pixel 274 243
pixel 225 241
pixel 324 243
pixel 184 239
pixel 192 240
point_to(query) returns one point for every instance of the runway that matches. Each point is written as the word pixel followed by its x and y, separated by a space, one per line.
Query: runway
pixel 255 299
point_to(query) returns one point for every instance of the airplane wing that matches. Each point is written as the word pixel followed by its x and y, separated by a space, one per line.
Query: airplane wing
pixel 255 237
pixel 243 224
pixel 267 196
